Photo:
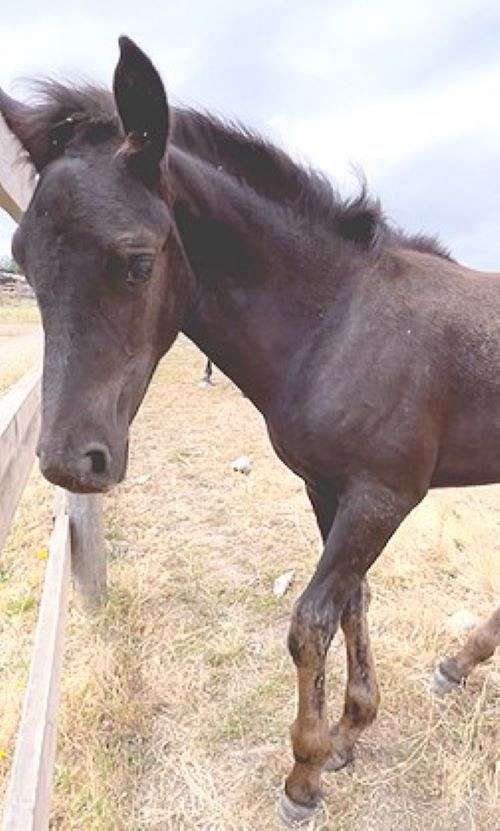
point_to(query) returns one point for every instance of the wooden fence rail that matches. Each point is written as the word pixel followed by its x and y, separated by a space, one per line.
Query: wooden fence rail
pixel 30 786
pixel 77 546
pixel 19 429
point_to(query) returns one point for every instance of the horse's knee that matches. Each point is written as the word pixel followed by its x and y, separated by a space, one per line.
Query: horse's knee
pixel 312 628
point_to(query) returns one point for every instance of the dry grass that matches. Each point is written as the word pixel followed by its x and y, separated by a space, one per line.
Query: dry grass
pixel 22 561
pixel 14 310
pixel 19 339
pixel 177 699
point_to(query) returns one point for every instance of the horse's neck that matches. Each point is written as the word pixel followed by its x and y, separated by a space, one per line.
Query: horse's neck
pixel 247 310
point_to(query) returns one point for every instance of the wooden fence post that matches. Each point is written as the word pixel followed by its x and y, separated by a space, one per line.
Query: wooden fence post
pixel 88 553
pixel 17 180
pixel 9 205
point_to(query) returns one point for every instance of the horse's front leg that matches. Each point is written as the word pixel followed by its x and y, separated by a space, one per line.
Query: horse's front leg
pixel 367 515
pixel 362 696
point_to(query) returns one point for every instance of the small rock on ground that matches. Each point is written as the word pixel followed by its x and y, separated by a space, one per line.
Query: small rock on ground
pixel 461 621
pixel 283 583
pixel 242 465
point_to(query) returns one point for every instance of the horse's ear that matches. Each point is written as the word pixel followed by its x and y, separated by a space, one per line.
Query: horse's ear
pixel 142 104
pixel 22 122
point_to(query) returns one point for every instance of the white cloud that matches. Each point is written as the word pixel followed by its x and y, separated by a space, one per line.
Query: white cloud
pixel 383 131
pixel 352 81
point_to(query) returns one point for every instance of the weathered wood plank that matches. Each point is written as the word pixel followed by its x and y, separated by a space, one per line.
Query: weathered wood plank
pixel 88 554
pixel 16 179
pixel 9 205
pixel 30 786
pixel 19 430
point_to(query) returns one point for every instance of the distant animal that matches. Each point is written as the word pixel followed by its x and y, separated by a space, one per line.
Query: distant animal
pixel 372 355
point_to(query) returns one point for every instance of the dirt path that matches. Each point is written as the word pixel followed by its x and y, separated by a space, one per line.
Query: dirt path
pixel 20 348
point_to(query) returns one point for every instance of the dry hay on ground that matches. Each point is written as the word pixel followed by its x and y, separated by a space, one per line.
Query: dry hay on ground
pixel 177 700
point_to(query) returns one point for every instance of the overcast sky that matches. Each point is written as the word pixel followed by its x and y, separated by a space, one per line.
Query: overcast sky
pixel 408 91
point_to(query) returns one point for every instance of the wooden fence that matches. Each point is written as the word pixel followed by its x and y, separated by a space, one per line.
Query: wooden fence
pixel 76 547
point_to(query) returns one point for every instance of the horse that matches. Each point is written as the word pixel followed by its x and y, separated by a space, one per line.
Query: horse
pixel 373 356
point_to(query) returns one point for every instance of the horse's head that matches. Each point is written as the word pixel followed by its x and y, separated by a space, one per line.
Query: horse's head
pixel 99 246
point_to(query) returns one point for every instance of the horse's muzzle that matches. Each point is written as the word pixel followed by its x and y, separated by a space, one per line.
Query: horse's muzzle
pixel 92 469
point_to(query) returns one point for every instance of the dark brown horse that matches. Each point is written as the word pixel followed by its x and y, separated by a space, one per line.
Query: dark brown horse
pixel 373 356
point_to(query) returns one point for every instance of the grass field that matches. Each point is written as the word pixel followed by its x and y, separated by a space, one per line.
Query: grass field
pixel 19 339
pixel 177 699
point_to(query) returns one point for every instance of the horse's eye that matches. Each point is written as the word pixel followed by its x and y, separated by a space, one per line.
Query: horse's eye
pixel 116 267
pixel 140 268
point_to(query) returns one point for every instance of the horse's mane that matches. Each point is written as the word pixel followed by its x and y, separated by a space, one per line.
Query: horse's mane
pixel 241 153
pixel 272 173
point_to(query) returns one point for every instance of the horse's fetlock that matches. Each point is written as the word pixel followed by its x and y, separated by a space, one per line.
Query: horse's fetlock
pixel 311 744
pixel 449 668
pixel 362 704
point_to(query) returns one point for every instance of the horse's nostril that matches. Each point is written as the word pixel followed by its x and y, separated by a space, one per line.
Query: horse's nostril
pixel 98 461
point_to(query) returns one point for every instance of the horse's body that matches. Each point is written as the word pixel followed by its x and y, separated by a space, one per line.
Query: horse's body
pixel 400 331
pixel 373 357
pixel 423 399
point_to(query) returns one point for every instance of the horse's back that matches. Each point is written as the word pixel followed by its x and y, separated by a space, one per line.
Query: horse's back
pixel 460 310
pixel 407 379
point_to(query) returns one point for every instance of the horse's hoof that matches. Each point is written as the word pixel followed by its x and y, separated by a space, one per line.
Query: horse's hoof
pixel 293 814
pixel 442 685
pixel 339 759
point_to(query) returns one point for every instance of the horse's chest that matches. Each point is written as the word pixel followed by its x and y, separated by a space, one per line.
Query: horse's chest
pixel 303 448
pixel 291 446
